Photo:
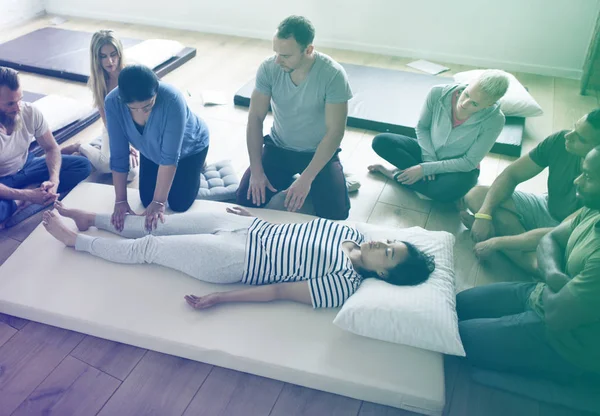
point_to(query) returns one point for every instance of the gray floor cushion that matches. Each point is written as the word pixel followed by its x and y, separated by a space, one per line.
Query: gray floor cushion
pixel 218 182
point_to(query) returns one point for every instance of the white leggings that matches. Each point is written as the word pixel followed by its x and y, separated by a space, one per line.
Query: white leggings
pixel 208 246
pixel 98 153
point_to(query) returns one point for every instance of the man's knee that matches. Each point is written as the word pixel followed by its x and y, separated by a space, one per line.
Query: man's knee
pixel 472 341
pixel 330 198
pixel 332 213
pixel 475 197
pixel 507 223
pixel 78 167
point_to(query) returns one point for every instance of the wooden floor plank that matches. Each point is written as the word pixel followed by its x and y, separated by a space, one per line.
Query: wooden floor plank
pixel 159 385
pixel 372 409
pixel 6 333
pixel 13 321
pixel 7 247
pixel 232 393
pixel 301 401
pixel 110 357
pixel 73 388
pixel 28 358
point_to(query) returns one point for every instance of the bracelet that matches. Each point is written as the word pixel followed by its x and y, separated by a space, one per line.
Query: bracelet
pixel 159 203
pixel 481 216
pixel 120 202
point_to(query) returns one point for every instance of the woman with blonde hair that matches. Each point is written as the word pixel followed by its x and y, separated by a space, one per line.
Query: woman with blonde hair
pixel 106 61
pixel 458 126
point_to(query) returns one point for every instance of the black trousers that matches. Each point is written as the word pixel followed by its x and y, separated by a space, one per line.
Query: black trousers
pixel 404 152
pixel 186 182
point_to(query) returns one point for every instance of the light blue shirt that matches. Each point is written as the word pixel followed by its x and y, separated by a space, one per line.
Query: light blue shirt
pixel 172 131
pixel 445 148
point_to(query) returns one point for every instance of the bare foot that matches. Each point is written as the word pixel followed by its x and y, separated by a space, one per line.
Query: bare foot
pixel 388 173
pixel 58 229
pixel 70 149
pixel 83 220
pixel 467 219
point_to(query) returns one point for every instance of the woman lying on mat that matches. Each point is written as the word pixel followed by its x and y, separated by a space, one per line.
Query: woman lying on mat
pixel 173 142
pixel 106 58
pixel 320 263
pixel 458 126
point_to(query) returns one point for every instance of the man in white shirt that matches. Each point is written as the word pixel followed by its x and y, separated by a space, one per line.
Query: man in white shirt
pixel 26 180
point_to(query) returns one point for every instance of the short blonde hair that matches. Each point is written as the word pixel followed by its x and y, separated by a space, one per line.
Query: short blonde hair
pixel 494 83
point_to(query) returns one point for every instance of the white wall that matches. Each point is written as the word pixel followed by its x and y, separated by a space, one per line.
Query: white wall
pixel 539 36
pixel 13 12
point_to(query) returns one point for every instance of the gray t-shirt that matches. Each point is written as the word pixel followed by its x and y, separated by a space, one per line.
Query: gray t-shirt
pixel 299 110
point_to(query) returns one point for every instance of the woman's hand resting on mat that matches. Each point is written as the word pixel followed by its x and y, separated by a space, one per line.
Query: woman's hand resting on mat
pixel 118 217
pixel 154 212
pixel 410 175
pixel 242 212
pixel 203 302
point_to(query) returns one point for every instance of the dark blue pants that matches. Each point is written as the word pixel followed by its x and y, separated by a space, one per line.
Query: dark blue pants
pixel 500 332
pixel 73 170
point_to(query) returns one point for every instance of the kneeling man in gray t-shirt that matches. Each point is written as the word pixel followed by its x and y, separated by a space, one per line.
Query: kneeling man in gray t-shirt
pixel 308 93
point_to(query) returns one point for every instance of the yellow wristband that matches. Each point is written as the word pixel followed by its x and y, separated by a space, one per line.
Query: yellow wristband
pixel 481 216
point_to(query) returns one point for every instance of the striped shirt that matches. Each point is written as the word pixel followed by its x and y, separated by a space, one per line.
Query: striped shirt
pixel 311 251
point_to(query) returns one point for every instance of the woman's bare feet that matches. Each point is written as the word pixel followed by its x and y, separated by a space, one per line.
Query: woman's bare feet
pixel 58 229
pixel 388 173
pixel 83 220
pixel 70 149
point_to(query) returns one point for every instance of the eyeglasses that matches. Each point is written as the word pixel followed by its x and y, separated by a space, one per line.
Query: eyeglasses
pixel 144 109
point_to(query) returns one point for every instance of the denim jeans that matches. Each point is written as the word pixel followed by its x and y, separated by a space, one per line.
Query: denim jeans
pixel 501 332
pixel 73 170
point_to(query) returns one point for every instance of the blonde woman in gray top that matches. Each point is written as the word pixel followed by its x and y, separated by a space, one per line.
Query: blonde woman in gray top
pixel 106 59
pixel 458 126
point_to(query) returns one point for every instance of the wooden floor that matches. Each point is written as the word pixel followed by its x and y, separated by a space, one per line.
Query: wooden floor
pixel 46 370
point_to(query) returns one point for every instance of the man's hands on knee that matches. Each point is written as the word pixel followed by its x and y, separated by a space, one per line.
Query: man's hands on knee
pixel 296 194
pixel 257 190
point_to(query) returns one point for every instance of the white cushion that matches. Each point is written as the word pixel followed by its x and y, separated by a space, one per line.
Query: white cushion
pixel 517 102
pixel 422 316
pixel 61 111
pixel 152 52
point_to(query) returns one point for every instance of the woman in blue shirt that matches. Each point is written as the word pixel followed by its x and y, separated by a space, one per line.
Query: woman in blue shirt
pixel 172 142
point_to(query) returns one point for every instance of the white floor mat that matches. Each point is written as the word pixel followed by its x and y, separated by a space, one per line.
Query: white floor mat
pixel 143 305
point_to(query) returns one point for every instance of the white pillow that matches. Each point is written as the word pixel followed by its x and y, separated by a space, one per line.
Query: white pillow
pixel 517 102
pixel 152 52
pixel 61 111
pixel 422 316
